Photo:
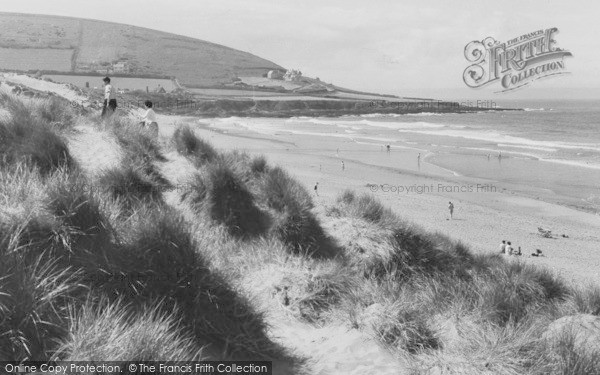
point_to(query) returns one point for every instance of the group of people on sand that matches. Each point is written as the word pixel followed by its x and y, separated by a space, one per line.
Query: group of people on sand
pixel 506 248
pixel 147 118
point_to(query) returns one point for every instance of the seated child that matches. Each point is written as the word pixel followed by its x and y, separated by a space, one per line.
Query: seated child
pixel 149 118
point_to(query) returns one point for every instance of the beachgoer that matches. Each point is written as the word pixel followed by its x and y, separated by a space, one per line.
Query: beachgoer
pixel 419 158
pixel 388 148
pixel 503 247
pixel 489 157
pixel 509 248
pixel 110 98
pixel 317 189
pixel 343 165
pixel 149 118
pixel 451 208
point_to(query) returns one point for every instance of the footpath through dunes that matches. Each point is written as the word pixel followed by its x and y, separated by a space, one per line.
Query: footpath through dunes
pixel 334 349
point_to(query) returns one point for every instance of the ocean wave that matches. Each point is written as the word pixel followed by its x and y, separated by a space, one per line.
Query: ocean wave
pixel 574 163
pixel 424 114
pixel 377 124
pixel 498 138
pixel 539 148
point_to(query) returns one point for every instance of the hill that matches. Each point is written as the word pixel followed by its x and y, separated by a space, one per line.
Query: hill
pixel 64 44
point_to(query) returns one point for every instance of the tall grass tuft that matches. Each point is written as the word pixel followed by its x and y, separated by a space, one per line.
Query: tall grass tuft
pixel 26 137
pixel 294 223
pixel 132 185
pixel 189 145
pixel 136 141
pixel 33 296
pixel 225 199
pixel 58 112
pixel 111 331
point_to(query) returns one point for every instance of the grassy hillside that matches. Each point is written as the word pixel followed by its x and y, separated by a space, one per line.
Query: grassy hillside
pixel 40 42
pixel 202 267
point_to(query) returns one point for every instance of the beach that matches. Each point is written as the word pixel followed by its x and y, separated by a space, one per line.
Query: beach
pixel 486 212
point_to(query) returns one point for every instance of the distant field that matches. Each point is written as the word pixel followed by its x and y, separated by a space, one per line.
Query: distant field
pixel 99 44
pixel 26 31
pixel 118 82
pixel 35 59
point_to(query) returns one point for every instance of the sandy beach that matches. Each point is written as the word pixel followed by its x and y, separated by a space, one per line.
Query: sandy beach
pixel 482 218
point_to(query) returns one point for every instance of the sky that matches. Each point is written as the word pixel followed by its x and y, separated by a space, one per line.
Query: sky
pixel 406 48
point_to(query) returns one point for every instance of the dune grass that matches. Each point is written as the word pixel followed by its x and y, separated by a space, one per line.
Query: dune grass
pixel 148 256
pixel 132 185
pixel 250 198
pixel 189 145
pixel 134 139
pixel 109 331
pixel 294 222
pixel 117 273
pixel 25 136
pixel 221 195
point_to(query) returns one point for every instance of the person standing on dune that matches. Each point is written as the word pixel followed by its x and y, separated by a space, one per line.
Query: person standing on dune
pixel 110 98
pixel 451 208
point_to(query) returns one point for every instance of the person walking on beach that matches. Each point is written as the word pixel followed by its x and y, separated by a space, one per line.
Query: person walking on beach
pixel 388 148
pixel 451 208
pixel 317 189
pixel 343 166
pixel 149 119
pixel 110 98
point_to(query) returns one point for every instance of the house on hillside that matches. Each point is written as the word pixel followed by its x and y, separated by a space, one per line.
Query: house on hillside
pixel 292 75
pixel 274 74
pixel 120 67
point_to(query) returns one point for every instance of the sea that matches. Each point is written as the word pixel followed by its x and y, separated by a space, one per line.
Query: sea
pixel 548 149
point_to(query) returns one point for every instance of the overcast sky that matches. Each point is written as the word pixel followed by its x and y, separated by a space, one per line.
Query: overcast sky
pixel 386 46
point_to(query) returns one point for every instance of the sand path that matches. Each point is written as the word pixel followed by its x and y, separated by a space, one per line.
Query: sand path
pixel 336 350
pixel 41 85
pixel 94 150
